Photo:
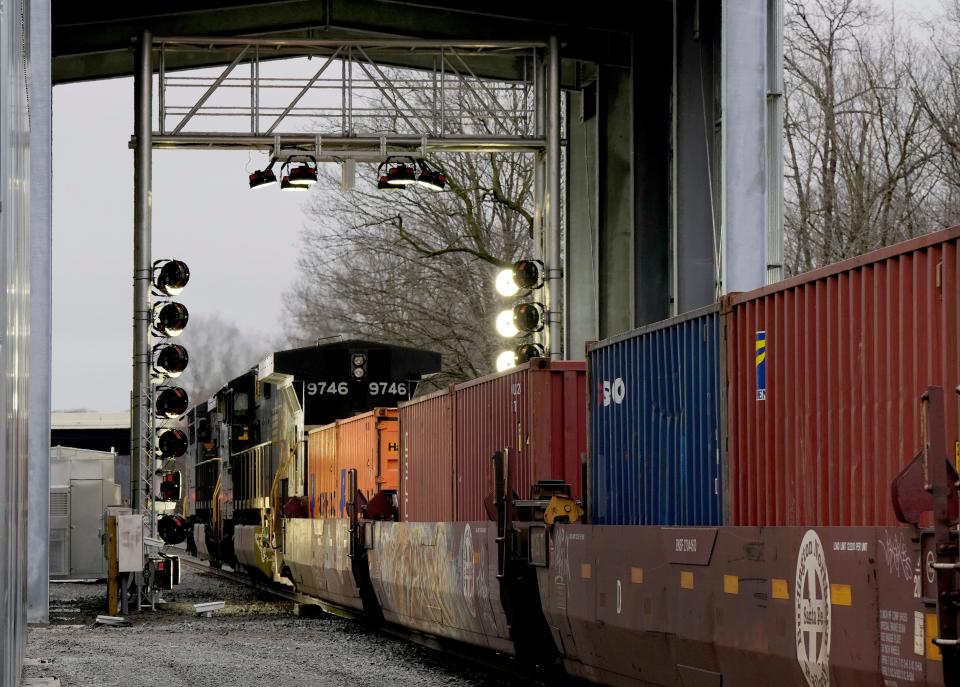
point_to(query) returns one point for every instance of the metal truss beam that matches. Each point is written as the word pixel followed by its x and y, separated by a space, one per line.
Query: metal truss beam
pixel 354 99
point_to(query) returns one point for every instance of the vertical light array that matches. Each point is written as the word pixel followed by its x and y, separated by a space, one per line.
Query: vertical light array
pixel 525 318
pixel 170 402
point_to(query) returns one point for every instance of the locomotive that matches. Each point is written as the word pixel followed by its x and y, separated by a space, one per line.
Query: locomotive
pixel 245 464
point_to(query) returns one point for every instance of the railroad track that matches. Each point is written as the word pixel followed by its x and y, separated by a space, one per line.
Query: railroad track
pixel 497 663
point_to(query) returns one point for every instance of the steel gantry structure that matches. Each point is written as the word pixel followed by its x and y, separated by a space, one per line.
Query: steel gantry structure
pixel 361 100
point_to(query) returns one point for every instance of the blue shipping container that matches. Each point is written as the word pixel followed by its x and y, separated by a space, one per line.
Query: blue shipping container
pixel 655 424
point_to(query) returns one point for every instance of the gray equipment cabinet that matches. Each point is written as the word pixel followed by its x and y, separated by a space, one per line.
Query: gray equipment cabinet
pixel 82 486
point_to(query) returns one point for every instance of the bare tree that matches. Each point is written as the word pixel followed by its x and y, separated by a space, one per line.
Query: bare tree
pixel 937 90
pixel 219 351
pixel 859 149
pixel 416 267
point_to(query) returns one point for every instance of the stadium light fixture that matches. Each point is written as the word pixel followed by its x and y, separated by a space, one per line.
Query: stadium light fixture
pixel 169 318
pixel 526 351
pixel 505 326
pixel 506 360
pixel 170 276
pixel 529 317
pixel 262 178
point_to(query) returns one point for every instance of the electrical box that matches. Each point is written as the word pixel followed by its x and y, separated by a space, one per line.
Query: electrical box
pixel 82 486
pixel 129 543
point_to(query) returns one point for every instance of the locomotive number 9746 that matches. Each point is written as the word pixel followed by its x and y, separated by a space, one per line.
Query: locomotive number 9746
pixel 391 388
pixel 343 388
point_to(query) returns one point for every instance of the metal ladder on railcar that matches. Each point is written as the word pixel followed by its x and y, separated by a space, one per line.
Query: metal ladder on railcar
pixel 931 482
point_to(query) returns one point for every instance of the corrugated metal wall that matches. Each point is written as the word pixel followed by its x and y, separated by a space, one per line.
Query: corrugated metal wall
pixel 322 471
pixel 655 411
pixel 825 376
pixel 426 455
pixel 14 319
pixel 537 411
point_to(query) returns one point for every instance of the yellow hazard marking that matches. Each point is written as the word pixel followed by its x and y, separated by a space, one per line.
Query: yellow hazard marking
pixel 476 558
pixel 779 589
pixel 933 651
pixel 731 584
pixel 686 579
pixel 586 571
pixel 956 453
pixel 841 594
pixel 636 575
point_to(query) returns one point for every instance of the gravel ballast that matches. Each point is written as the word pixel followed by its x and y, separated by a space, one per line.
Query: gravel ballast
pixel 256 640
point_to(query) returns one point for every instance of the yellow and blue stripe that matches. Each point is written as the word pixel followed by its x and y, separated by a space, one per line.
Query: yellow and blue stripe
pixel 760 361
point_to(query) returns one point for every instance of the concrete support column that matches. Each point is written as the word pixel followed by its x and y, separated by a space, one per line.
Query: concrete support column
pixel 652 69
pixel 744 228
pixel 616 202
pixel 41 280
pixel 696 165
pixel 581 268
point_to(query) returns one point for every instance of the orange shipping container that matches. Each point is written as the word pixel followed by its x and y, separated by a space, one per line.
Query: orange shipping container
pixel 322 471
pixel 368 443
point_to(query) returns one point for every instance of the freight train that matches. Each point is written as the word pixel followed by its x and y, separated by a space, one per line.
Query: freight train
pixel 760 492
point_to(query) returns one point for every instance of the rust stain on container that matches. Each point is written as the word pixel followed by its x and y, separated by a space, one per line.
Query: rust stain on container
pixel 537 411
pixel 426 457
pixel 824 415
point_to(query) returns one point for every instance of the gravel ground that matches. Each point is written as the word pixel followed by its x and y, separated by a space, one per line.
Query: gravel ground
pixel 255 640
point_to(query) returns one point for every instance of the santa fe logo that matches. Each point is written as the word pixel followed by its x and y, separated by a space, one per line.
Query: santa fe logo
pixel 812 606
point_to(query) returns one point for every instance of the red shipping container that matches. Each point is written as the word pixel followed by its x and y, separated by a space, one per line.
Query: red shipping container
pixel 537 411
pixel 825 373
pixel 426 451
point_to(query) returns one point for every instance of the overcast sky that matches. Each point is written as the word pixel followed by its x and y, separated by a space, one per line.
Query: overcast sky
pixel 240 246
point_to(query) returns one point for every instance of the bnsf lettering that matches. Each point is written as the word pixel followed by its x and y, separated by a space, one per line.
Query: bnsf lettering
pixel 611 392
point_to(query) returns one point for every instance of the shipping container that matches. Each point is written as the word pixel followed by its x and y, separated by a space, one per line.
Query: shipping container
pixel 826 371
pixel 426 449
pixel 368 443
pixel 536 412
pixel 322 471
pixel 655 425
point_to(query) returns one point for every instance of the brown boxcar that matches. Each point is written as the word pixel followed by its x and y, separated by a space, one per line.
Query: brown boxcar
pixel 536 411
pixel 824 375
pixel 426 450
pixel 322 471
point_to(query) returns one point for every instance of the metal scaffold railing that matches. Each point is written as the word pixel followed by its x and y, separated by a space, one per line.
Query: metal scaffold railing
pixel 352 94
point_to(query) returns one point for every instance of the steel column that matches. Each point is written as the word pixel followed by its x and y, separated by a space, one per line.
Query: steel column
pixel 774 141
pixel 142 214
pixel 41 270
pixel 553 263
